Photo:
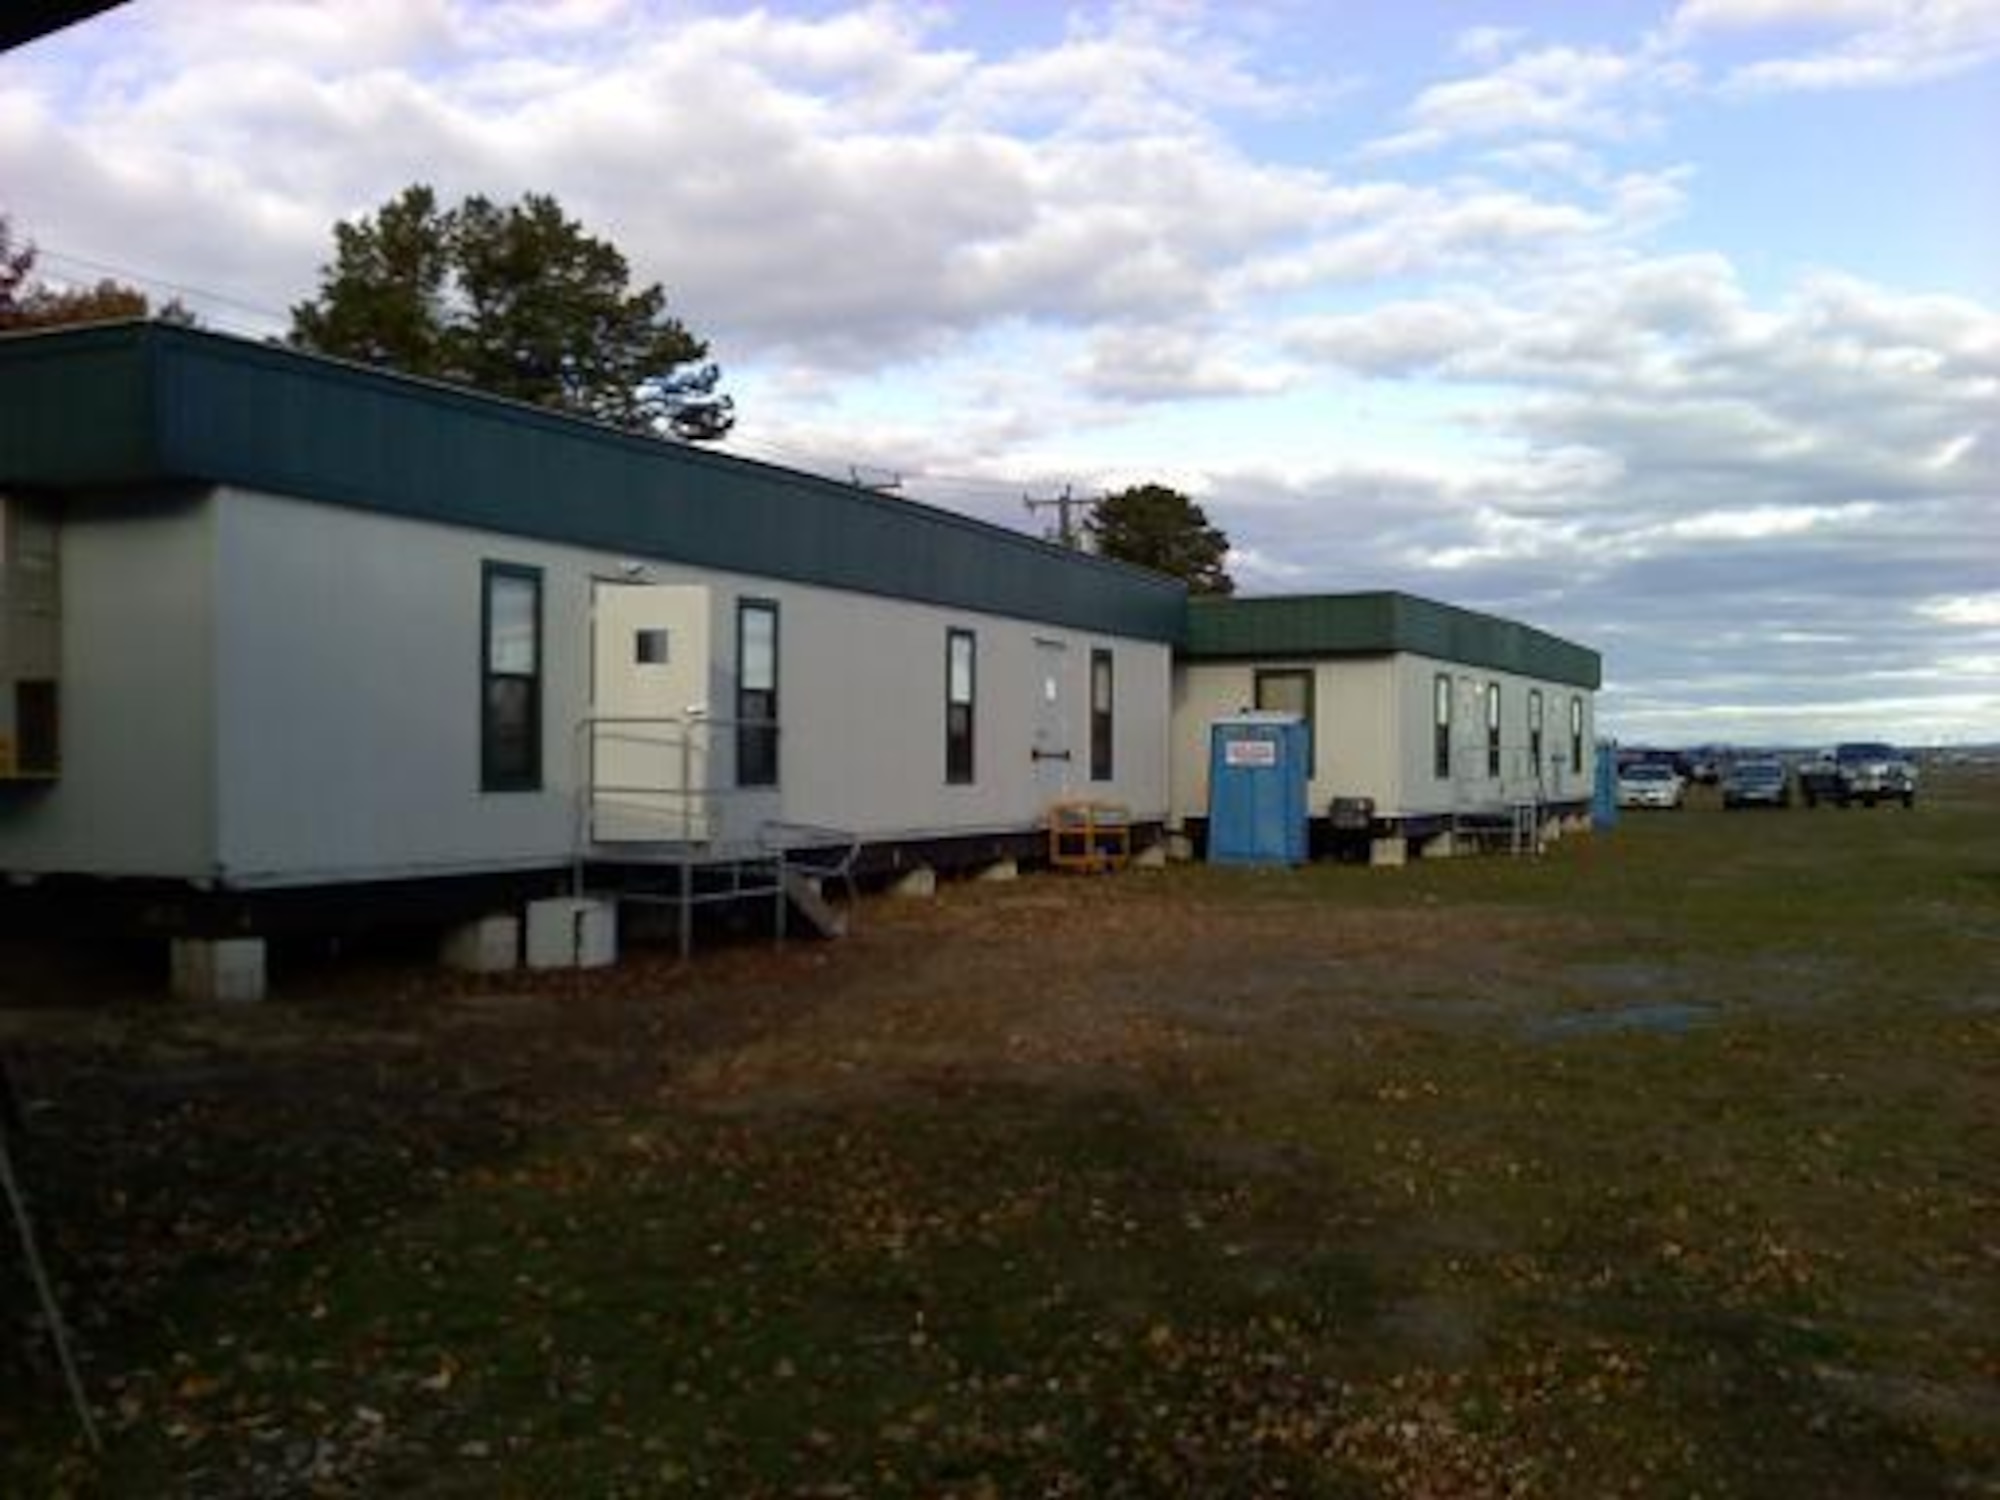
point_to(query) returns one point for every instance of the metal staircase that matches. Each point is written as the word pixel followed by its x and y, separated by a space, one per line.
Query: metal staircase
pixel 661 831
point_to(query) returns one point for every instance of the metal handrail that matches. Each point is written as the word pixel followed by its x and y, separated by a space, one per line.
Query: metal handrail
pixel 690 735
pixel 816 852
pixel 787 848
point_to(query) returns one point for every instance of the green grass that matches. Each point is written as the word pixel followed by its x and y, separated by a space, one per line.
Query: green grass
pixel 1335 1182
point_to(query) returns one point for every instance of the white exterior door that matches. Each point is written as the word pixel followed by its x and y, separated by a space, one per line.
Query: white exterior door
pixel 1053 761
pixel 1468 750
pixel 646 750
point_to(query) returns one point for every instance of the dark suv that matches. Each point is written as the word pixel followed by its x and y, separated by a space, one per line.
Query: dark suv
pixel 1865 771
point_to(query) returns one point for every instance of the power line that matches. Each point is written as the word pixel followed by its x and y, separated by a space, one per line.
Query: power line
pixel 911 476
pixel 147 279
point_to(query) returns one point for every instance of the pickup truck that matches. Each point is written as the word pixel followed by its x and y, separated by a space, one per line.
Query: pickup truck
pixel 1867 772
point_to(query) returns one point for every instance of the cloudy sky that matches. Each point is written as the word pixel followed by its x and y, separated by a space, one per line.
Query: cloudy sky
pixel 1674 328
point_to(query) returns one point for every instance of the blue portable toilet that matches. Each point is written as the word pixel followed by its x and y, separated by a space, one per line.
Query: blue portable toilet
pixel 1257 790
pixel 1604 799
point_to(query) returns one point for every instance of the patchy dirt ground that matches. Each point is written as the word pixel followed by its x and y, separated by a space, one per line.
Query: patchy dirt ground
pixel 1664 1164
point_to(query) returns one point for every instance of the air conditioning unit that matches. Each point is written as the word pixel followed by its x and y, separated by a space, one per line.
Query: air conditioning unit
pixel 30 640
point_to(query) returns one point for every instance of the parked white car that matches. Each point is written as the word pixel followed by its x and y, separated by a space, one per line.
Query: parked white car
pixel 1650 785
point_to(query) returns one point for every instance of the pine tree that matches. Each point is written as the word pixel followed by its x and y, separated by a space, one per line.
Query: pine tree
pixel 1162 529
pixel 517 301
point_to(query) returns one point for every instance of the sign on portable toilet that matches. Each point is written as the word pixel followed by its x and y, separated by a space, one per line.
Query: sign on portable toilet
pixel 1257 790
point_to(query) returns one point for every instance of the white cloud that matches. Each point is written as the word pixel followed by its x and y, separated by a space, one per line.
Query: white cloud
pixel 1760 523
pixel 1258 572
pixel 1553 158
pixel 843 183
pixel 1849 43
pixel 1396 338
pixel 1485 43
pixel 1982 610
pixel 1550 92
pixel 1383 230
pixel 1747 15
pixel 1165 363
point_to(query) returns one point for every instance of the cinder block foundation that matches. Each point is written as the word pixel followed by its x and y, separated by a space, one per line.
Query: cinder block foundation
pixel 919 884
pixel 1388 852
pixel 572 932
pixel 491 945
pixel 1152 857
pixel 1000 869
pixel 218 971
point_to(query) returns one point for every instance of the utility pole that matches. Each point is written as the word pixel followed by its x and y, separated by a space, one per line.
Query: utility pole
pixel 1067 532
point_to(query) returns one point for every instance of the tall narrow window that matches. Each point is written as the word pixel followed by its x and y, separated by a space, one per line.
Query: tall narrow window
pixel 1535 729
pixel 1576 735
pixel 1103 693
pixel 1441 727
pixel 510 679
pixel 756 693
pixel 1492 729
pixel 1290 691
pixel 961 688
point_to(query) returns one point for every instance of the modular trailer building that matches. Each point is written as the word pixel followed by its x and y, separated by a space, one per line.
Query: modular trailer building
pixel 1424 719
pixel 284 638
pixel 322 629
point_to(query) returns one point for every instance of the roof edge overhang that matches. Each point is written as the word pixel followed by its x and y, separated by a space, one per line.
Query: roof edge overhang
pixel 118 405
pixel 1382 622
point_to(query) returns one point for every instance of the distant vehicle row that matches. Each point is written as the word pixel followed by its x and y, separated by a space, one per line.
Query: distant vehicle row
pixel 1867 772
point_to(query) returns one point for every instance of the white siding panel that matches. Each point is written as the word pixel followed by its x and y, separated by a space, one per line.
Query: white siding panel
pixel 135 797
pixel 350 671
pixel 1559 781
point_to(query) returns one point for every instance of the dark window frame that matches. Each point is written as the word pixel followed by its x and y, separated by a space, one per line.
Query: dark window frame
pixel 1104 716
pixel 757 743
pixel 1492 729
pixel 1576 733
pixel 961 731
pixel 1535 728
pixel 1441 712
pixel 1310 675
pixel 494 777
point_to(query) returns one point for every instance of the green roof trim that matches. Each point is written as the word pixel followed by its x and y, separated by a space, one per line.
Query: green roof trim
pixel 1310 625
pixel 124 405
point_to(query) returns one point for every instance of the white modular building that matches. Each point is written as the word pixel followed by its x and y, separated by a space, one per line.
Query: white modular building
pixel 275 623
pixel 281 637
pixel 1423 718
